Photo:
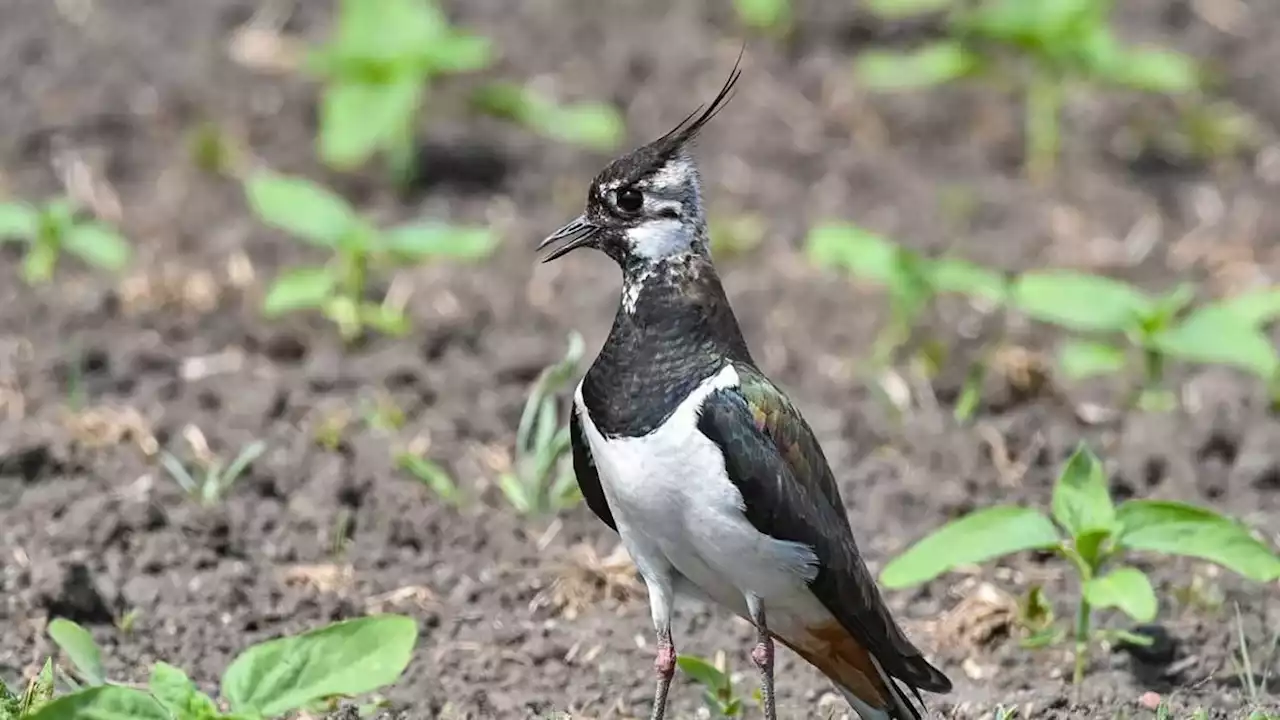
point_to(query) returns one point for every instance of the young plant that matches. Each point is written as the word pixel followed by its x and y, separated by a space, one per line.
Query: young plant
pixel 717 685
pixel 1094 536
pixel 432 475
pixel 215 479
pixel 269 680
pixel 376 69
pixel 913 282
pixel 593 125
pixel 50 230
pixel 770 16
pixel 337 289
pixel 38 693
pixel 1043 48
pixel 1129 325
pixel 542 481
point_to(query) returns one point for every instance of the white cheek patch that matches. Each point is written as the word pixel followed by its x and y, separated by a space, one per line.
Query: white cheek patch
pixel 660 238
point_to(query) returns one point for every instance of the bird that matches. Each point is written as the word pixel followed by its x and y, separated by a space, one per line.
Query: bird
pixel 707 471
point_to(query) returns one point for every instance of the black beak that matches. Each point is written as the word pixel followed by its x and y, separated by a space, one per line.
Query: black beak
pixel 578 233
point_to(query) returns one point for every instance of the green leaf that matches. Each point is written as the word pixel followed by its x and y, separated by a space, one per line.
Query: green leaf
pixel 892 9
pixel 860 252
pixel 1177 529
pixel 456 52
pixel 304 288
pixel 98 245
pixel 175 691
pixel 974 538
pixel 702 672
pixel 966 278
pixel 589 124
pixel 300 207
pixel 1088 303
pixel 1260 307
pixel 39 263
pixel 1215 339
pixel 764 14
pixel 105 702
pixel 79 646
pixel 1125 588
pixel 431 474
pixel 1081 501
pixel 433 239
pixel 1155 70
pixel 39 691
pixel 345 658
pixel 1081 359
pixel 357 119
pixel 384 318
pixel 925 67
pixel 18 220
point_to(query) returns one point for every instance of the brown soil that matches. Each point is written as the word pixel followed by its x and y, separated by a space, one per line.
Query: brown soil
pixel 91 528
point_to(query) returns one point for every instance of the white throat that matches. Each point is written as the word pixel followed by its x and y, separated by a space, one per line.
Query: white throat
pixel 660 238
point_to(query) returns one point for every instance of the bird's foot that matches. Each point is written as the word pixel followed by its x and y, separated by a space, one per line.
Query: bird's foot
pixel 762 657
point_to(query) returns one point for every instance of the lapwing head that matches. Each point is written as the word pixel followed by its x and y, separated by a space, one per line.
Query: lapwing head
pixel 646 206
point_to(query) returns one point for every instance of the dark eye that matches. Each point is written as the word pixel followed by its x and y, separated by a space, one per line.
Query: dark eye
pixel 629 200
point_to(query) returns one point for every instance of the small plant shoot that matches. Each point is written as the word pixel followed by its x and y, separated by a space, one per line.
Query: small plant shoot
pixel 212 480
pixel 718 693
pixel 1122 326
pixel 594 125
pixel 376 69
pixel 50 230
pixel 269 680
pixel 1044 49
pixel 338 289
pixel 542 481
pixel 1094 536
pixel 913 283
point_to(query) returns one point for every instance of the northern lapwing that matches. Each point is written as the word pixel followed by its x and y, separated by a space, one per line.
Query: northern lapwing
pixel 709 474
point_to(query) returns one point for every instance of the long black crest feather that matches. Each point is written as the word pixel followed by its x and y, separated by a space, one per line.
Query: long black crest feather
pixel 685 131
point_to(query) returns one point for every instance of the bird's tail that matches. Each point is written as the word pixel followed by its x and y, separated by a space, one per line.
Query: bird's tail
pixel 869 690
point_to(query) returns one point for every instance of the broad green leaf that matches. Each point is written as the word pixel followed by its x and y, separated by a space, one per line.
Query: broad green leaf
pixel 345 658
pixel 1178 529
pixel 357 119
pixel 40 690
pixel 304 288
pixel 18 221
pixel 1255 308
pixel 98 245
pixel 79 646
pixel 1221 340
pixel 1155 70
pixel 924 67
pixel 1081 359
pixel 589 124
pixel 298 206
pixel 702 672
pixel 456 52
pixel 40 262
pixel 434 239
pixel 385 319
pixel 1125 588
pixel 105 702
pixel 764 14
pixel 960 276
pixel 175 691
pixel 1045 25
pixel 1088 303
pixel 386 31
pixel 1081 501
pixel 974 538
pixel 892 9
pixel 855 250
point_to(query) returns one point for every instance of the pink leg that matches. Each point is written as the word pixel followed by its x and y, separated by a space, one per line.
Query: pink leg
pixel 665 667
pixel 762 656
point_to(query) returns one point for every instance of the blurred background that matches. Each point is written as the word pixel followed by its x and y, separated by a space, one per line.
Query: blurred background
pixel 299 235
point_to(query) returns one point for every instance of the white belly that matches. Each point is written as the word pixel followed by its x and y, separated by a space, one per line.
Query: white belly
pixel 677 510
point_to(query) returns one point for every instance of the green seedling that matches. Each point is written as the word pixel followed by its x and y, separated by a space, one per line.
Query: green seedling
pixel 53 228
pixel 913 283
pixel 717 685
pixel 1044 49
pixel 542 480
pixel 376 69
pixel 594 125
pixel 338 289
pixel 1094 535
pixel 735 236
pixel 38 694
pixel 1244 665
pixel 269 680
pixel 1127 325
pixel 215 479
pixel 773 17
pixel 432 475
